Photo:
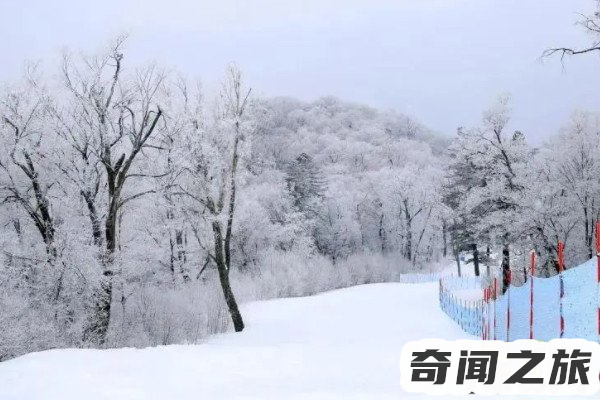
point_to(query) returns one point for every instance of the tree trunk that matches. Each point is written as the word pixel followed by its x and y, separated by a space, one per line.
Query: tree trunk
pixel 172 258
pixel 408 221
pixel 445 238
pixel 236 316
pixel 589 232
pixel 110 229
pixel 181 241
pixel 457 258
pixel 476 259
pixel 98 330
pixel 94 220
pixel 418 244
pixel 488 253
pixel 382 233
pixel 505 267
pixel 41 214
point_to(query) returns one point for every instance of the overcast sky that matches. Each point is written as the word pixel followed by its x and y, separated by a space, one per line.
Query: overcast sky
pixel 441 61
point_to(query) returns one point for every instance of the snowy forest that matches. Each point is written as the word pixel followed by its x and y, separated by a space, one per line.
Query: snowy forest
pixel 138 209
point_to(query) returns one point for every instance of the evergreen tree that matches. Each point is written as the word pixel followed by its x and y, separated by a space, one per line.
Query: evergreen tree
pixel 306 184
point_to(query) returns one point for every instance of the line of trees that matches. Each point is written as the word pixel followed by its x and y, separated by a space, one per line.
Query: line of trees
pixel 100 141
pixel 136 209
pixel 509 196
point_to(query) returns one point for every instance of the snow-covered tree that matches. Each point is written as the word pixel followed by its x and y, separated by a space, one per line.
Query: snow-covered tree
pixel 497 162
pixel 213 148
pixel 111 121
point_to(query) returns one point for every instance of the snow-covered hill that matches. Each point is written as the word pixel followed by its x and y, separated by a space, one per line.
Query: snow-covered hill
pixel 343 344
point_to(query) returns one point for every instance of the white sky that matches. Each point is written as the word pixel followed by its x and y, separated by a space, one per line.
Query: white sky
pixel 441 61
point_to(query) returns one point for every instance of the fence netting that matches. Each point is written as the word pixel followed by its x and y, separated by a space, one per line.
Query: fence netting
pixel 467 313
pixel 508 316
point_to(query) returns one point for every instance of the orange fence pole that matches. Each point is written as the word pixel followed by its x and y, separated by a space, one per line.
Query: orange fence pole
pixel 533 256
pixel 495 301
pixel 561 267
pixel 598 271
pixel 508 307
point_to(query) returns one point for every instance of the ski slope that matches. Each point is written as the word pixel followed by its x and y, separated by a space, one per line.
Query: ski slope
pixel 343 344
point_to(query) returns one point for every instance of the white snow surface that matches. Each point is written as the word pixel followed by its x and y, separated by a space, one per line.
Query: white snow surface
pixel 343 344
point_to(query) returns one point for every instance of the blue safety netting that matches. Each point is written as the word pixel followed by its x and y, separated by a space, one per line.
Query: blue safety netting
pixel 468 314
pixel 579 308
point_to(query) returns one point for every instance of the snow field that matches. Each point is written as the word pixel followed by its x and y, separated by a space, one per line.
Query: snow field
pixel 343 344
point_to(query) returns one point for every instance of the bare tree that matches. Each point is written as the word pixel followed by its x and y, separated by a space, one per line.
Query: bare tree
pixel 113 120
pixel 591 25
pixel 22 114
pixel 578 171
pixel 212 157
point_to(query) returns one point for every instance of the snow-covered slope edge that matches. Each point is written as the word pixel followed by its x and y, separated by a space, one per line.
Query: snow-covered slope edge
pixel 341 344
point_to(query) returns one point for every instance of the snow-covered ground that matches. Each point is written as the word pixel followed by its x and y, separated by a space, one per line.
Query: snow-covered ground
pixel 343 344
